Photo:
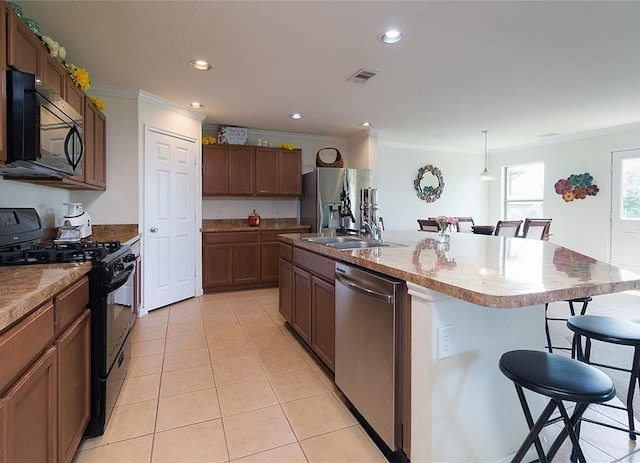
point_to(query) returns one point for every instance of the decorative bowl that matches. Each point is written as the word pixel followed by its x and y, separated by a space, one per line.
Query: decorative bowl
pixel 33 25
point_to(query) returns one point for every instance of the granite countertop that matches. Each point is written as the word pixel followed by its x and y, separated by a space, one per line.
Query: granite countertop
pixel 491 271
pixel 25 287
pixel 231 225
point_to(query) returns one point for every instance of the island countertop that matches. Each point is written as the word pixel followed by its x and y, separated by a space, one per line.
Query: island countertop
pixel 25 287
pixel 490 271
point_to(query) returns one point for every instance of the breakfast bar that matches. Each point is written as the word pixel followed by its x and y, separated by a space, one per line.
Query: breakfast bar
pixel 489 292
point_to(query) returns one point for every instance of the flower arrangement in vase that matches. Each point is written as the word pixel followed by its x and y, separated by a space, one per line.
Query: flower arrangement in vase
pixel 445 223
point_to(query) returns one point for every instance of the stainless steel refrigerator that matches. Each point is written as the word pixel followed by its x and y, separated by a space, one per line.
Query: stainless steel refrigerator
pixel 331 198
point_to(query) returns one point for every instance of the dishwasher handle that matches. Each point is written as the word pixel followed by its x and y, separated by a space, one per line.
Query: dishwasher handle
pixel 353 284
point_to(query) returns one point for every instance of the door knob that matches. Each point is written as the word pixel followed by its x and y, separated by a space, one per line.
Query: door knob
pixel 153 230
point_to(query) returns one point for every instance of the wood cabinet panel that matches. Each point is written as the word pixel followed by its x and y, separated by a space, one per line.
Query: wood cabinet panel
pixel 74 367
pixel 286 251
pixel 30 416
pixel 70 303
pixel 245 263
pixel 319 265
pixel 216 262
pixel 301 313
pixel 74 96
pixel 215 161
pixel 25 52
pixel 3 78
pixel 285 289
pixel 241 170
pixel 21 344
pixel 95 126
pixel 232 237
pixel 267 171
pixel 269 253
pixel 290 172
pixel 54 76
pixel 323 314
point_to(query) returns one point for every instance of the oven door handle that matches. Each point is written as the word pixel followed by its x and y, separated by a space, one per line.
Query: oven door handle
pixel 122 278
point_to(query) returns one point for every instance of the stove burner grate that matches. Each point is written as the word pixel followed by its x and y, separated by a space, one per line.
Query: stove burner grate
pixel 47 253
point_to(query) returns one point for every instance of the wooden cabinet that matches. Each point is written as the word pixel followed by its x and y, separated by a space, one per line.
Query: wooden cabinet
pixel 307 299
pixel 25 52
pixel 323 316
pixel 3 77
pixel 230 260
pixel 30 414
pixel 240 260
pixel 240 170
pixel 44 380
pixel 73 95
pixel 228 170
pixel 301 310
pixel 278 172
pixel 95 168
pixel 55 76
pixel 74 368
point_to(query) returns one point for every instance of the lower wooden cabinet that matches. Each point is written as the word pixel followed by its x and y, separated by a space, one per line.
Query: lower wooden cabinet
pixel 45 381
pixel 240 260
pixel 74 368
pixel 29 414
pixel 307 299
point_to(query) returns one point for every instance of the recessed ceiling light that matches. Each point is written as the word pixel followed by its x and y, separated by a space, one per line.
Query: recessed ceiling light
pixel 295 116
pixel 200 65
pixel 391 36
pixel 365 124
pixel 195 104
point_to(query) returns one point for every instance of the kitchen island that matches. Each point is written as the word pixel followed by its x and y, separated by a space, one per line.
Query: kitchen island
pixel 492 291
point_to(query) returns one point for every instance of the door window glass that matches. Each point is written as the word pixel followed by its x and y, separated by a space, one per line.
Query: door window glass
pixel 630 189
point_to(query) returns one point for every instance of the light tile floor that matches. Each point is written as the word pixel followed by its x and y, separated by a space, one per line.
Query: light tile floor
pixel 218 378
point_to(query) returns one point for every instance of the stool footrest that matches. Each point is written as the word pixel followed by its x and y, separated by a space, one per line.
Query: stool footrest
pixel 618 428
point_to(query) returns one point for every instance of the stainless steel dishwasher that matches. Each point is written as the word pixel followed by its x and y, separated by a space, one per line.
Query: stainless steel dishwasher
pixel 367 360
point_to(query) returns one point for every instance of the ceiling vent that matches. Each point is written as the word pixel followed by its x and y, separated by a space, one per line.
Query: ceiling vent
pixel 361 76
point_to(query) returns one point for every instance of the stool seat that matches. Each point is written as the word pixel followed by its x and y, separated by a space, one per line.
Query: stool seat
pixel 560 379
pixel 606 329
pixel 556 376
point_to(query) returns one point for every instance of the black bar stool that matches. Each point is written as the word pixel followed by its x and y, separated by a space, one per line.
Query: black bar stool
pixel 581 300
pixel 611 330
pixel 561 379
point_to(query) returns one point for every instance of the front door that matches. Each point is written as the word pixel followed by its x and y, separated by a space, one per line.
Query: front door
pixel 169 218
pixel 625 209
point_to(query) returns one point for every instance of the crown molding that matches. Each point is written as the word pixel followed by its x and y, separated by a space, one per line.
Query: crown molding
pixel 214 128
pixel 161 102
pixel 117 92
pixel 418 147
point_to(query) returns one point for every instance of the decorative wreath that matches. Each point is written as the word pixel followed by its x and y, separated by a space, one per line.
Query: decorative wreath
pixel 429 193
pixel 576 186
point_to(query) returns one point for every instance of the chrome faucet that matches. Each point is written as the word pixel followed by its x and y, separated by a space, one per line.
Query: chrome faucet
pixel 374 230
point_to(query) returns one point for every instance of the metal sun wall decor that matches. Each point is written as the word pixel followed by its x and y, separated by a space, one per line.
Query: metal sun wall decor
pixel 576 186
pixel 429 193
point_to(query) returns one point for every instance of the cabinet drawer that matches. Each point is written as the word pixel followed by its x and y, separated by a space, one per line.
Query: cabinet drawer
pixel 21 344
pixel 231 237
pixel 319 265
pixel 286 251
pixel 70 303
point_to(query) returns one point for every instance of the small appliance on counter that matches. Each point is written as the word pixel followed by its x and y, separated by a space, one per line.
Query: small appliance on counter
pixel 76 224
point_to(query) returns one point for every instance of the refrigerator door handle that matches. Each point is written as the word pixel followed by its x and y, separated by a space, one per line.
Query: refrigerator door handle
pixel 320 207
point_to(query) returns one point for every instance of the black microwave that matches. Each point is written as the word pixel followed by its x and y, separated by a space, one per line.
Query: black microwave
pixel 44 133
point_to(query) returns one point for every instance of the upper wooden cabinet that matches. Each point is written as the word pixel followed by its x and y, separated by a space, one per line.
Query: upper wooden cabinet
pixel 241 170
pixel 3 77
pixel 25 52
pixel 278 172
pixel 95 125
pixel 55 76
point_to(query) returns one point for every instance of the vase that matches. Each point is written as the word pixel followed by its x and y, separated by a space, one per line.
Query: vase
pixel 443 236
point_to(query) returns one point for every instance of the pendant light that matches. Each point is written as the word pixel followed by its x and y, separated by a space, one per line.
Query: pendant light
pixel 485 176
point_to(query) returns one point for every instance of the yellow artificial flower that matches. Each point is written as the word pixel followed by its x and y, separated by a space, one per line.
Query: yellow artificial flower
pixel 97 102
pixel 208 140
pixel 80 76
pixel 287 146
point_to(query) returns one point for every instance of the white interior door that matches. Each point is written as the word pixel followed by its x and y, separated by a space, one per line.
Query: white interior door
pixel 625 209
pixel 169 218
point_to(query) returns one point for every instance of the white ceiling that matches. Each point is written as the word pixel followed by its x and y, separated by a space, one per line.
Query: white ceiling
pixel 518 69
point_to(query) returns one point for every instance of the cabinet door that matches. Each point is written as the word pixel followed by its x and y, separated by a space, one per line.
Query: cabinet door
pixel 74 367
pixel 25 52
pixel 216 265
pixel 94 146
pixel 269 261
pixel 289 172
pixel 241 170
pixel 215 179
pixel 54 76
pixel 301 316
pixel 74 95
pixel 267 171
pixel 29 414
pixel 323 316
pixel 3 78
pixel 246 263
pixel 285 289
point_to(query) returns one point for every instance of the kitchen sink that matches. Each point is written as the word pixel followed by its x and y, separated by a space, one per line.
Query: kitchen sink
pixel 349 242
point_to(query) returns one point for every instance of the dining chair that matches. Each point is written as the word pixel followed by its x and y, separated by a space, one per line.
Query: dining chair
pixel 537 229
pixel 428 225
pixel 465 224
pixel 507 228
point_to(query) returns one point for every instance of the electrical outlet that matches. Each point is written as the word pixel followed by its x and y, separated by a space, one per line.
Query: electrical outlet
pixel 446 341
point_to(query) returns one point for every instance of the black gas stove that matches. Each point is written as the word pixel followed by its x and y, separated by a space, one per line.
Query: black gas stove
pixel 111 293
